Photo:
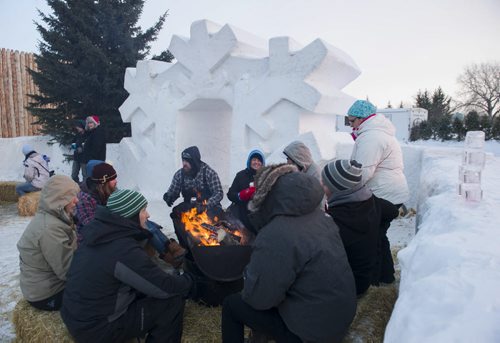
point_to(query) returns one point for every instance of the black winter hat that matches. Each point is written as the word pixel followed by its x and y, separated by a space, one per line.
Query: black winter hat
pixel 193 156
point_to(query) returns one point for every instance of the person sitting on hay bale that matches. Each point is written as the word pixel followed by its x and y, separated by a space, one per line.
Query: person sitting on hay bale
pixel 354 209
pixel 46 246
pixel 242 188
pixel 298 284
pixel 100 183
pixel 36 171
pixel 114 291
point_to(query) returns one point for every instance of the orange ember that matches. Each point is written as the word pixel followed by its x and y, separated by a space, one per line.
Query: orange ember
pixel 193 223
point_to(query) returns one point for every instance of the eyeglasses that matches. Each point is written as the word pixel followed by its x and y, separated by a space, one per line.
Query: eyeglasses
pixel 351 120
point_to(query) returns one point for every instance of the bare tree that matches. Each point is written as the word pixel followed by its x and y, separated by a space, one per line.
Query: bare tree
pixel 480 88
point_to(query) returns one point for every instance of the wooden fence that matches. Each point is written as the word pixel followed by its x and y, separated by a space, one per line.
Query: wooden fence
pixel 15 85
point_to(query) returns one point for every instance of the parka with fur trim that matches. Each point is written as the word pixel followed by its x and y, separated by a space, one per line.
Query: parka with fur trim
pixel 298 264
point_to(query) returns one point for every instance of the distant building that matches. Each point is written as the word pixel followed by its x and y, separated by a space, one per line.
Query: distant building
pixel 402 118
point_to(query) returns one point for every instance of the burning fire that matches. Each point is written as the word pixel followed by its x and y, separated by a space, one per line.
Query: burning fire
pixel 204 229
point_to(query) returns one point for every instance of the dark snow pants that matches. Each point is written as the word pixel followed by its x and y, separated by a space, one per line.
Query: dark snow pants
pixel 236 314
pixel 161 319
pixel 50 304
pixel 384 266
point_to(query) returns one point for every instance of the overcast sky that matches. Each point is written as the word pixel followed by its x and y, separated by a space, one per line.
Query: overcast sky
pixel 401 46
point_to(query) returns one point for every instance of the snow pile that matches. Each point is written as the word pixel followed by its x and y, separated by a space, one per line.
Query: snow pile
pixel 450 272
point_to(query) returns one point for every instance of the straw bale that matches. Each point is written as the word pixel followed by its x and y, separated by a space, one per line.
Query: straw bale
pixel 33 326
pixel 8 191
pixel 28 204
pixel 202 324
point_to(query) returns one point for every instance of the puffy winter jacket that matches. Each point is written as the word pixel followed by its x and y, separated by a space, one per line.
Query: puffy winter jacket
pixel 109 271
pixel 379 152
pixel 36 170
pixel 46 246
pixel 298 263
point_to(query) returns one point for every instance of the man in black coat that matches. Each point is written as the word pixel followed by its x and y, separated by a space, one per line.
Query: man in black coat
pixel 355 211
pixel 298 285
pixel 95 143
pixel 243 188
pixel 114 292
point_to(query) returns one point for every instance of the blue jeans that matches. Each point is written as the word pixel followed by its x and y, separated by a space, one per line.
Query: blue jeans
pixel 159 239
pixel 25 187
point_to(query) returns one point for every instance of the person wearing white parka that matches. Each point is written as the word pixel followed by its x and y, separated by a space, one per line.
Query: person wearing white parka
pixel 378 150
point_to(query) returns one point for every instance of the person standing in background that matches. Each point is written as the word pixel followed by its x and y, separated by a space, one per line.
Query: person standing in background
pixel 299 154
pixel 77 147
pixel 378 150
pixel 94 147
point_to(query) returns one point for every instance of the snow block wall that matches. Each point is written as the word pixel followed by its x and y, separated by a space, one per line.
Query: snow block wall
pixel 230 92
pixel 450 271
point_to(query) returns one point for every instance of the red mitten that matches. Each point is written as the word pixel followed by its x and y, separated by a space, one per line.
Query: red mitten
pixel 246 194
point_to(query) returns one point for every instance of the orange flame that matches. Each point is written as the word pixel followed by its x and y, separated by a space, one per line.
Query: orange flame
pixel 192 221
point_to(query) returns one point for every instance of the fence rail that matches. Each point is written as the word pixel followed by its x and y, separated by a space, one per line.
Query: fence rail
pixel 15 85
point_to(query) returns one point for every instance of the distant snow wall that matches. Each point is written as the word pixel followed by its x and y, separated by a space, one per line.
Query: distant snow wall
pixel 229 92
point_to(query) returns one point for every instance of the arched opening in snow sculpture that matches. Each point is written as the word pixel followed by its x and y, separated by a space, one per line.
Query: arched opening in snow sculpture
pixel 229 92
pixel 213 136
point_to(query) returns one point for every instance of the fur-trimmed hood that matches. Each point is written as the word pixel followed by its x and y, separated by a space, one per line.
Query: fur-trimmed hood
pixel 282 190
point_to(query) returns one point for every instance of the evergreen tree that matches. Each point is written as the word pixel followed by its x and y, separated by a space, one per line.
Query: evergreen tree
pixel 401 104
pixel 495 129
pixel 389 104
pixel 85 48
pixel 440 104
pixel 486 126
pixel 471 121
pixel 458 129
pixel 423 100
pixel 443 130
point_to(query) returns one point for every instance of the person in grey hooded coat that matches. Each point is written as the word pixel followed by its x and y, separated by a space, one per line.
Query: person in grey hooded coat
pixel 298 285
pixel 299 154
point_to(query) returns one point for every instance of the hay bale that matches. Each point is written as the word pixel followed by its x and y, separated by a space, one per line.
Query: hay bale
pixel 8 191
pixel 35 326
pixel 373 313
pixel 28 204
pixel 201 323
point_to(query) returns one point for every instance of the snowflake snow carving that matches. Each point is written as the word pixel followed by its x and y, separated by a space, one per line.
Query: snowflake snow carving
pixel 228 93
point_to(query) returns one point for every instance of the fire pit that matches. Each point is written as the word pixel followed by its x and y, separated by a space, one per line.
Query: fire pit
pixel 218 252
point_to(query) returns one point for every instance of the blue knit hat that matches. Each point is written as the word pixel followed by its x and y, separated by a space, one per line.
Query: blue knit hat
pixel 361 109
pixel 90 166
pixel 126 203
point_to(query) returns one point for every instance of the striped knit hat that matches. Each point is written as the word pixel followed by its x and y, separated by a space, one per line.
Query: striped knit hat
pixel 126 202
pixel 339 175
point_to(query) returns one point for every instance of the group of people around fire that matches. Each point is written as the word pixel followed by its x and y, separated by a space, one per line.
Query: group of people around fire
pixel 320 241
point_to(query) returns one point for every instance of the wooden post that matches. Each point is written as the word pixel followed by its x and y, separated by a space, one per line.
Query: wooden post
pixel 19 95
pixel 2 108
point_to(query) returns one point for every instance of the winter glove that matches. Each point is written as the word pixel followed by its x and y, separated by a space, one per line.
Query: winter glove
pixel 167 200
pixel 246 194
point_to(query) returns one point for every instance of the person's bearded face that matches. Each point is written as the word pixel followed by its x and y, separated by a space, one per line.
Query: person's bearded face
pixel 186 166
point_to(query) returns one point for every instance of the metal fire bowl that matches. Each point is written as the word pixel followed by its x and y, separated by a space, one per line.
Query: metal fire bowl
pixel 222 262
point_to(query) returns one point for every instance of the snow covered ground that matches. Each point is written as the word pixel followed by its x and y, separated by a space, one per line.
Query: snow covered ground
pixel 450 271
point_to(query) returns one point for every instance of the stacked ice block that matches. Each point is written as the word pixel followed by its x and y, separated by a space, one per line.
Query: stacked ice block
pixel 473 161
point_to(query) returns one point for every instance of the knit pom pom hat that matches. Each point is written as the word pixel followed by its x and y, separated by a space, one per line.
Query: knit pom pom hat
pixel 339 175
pixel 361 109
pixel 92 119
pixel 126 203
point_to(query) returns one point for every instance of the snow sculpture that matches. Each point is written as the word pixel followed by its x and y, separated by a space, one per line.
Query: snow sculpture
pixel 473 161
pixel 226 93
